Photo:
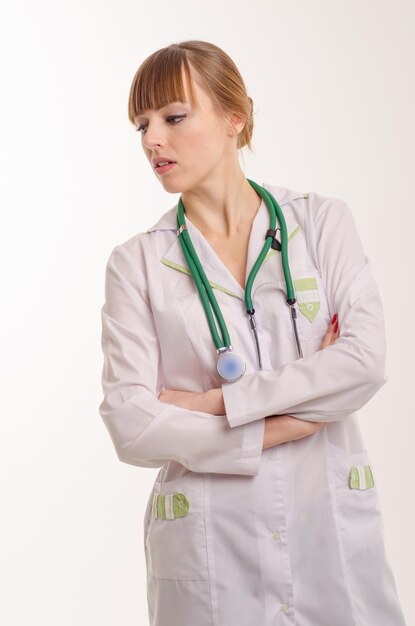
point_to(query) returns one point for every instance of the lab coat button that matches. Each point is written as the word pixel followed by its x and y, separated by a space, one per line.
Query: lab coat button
pixel 310 307
pixel 276 535
pixel 284 608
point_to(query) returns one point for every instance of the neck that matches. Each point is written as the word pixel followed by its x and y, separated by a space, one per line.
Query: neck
pixel 222 205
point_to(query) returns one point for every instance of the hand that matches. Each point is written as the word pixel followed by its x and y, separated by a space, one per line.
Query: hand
pixel 332 333
pixel 282 428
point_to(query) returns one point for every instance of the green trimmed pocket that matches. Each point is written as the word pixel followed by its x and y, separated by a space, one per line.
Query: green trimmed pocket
pixel 170 506
pixel 357 509
pixel 361 477
pixel 308 298
pixel 175 542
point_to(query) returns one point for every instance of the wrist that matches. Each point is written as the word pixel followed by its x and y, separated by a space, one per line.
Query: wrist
pixel 216 401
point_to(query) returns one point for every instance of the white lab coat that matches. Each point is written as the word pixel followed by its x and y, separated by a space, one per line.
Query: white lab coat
pixel 275 536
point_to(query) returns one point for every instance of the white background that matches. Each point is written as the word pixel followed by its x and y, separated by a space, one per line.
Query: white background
pixel 332 84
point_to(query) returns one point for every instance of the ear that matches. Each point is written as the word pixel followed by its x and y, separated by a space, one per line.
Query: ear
pixel 234 123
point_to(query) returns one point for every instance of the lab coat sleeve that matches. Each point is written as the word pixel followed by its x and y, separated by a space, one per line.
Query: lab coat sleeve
pixel 144 430
pixel 332 383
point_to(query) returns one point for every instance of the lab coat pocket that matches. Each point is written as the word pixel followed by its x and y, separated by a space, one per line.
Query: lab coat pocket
pixel 175 539
pixel 354 489
pixel 313 315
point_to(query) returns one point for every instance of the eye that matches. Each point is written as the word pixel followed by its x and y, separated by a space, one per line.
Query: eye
pixel 176 119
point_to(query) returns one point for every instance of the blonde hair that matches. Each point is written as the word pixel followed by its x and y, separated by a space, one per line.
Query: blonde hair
pixel 159 81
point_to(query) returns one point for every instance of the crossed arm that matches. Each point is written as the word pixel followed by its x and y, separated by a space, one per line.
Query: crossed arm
pixel 329 386
pixel 278 428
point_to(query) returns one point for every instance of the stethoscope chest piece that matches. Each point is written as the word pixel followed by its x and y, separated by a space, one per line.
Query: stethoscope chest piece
pixel 230 366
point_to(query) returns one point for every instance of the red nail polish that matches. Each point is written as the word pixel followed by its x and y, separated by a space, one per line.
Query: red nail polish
pixel 336 328
pixel 334 318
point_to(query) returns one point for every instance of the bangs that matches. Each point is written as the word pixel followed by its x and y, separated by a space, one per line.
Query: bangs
pixel 159 81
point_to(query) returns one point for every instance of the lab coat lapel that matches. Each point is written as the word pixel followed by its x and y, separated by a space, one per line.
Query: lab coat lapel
pixel 217 273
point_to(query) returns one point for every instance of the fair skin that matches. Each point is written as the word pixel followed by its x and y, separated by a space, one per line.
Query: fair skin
pixel 222 204
pixel 215 192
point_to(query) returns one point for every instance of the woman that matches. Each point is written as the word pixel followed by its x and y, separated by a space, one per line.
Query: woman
pixel 265 510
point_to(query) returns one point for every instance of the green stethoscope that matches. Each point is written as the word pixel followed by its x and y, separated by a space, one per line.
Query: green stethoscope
pixel 230 365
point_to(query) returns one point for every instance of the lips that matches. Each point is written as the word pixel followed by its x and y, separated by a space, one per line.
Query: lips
pixel 162 169
pixel 161 160
pixel 164 163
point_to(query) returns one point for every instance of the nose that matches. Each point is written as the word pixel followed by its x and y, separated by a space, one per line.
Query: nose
pixel 152 137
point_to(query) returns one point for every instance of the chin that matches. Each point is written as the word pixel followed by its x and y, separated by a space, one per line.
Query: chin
pixel 171 187
pixel 173 183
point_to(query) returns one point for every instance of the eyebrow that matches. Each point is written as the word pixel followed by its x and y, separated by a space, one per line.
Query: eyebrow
pixel 166 105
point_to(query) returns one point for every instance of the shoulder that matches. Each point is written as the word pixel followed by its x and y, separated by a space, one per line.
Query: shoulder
pixel 132 248
pixel 129 260
pixel 135 257
pixel 306 207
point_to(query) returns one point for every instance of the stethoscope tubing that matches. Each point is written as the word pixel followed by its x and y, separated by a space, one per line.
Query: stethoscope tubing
pixel 202 282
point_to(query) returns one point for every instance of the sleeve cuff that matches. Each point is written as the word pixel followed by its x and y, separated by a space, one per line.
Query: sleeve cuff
pixel 239 409
pixel 252 445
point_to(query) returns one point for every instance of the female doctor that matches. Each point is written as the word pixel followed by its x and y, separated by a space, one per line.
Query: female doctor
pixel 241 379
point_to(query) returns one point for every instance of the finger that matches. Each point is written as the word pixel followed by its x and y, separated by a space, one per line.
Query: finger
pixel 333 339
pixel 334 322
pixel 335 330
pixel 335 334
pixel 327 338
pixel 325 342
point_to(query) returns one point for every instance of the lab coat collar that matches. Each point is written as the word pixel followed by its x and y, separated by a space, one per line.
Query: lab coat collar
pixel 282 195
pixel 218 274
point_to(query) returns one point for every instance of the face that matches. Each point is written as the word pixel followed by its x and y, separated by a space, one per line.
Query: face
pixel 197 138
